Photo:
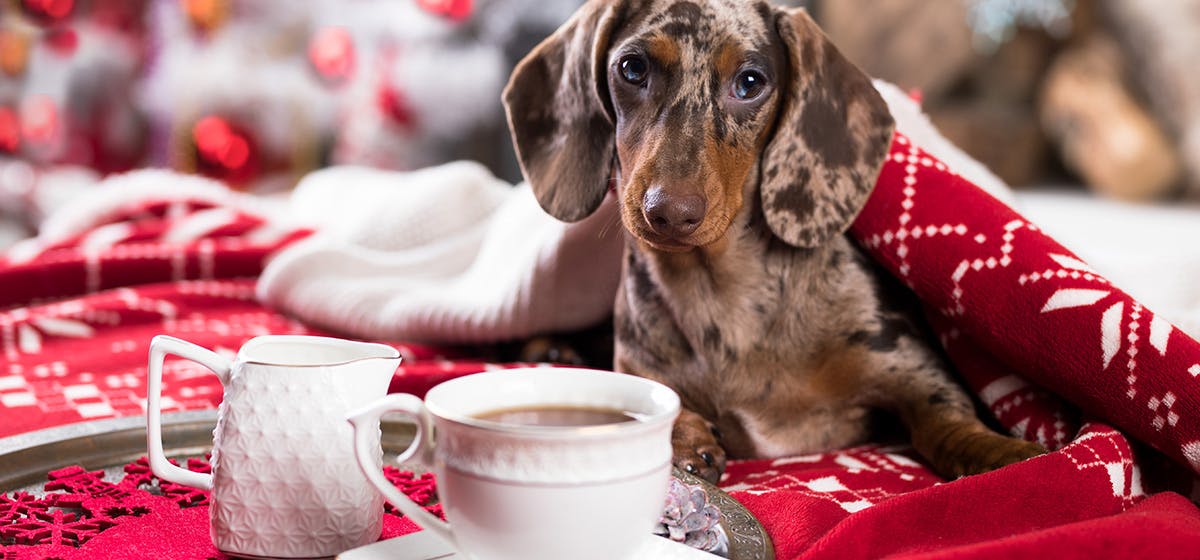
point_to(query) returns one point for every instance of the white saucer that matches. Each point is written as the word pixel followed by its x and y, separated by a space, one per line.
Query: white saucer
pixel 424 545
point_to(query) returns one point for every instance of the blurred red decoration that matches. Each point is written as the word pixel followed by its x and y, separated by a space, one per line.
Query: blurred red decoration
pixel 331 52
pixel 457 10
pixel 52 10
pixel 123 16
pixel 206 14
pixel 62 41
pixel 395 106
pixel 10 130
pixel 40 120
pixel 218 144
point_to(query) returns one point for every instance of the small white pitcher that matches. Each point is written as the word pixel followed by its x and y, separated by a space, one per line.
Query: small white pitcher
pixel 285 482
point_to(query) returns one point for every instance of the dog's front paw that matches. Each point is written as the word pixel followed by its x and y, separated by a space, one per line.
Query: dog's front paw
pixel 1007 450
pixel 985 452
pixel 546 349
pixel 696 449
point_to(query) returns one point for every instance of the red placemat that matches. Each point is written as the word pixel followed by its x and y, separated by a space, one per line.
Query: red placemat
pixel 82 515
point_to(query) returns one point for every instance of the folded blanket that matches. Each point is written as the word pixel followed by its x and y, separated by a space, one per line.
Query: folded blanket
pixel 1010 303
pixel 448 254
pixel 146 253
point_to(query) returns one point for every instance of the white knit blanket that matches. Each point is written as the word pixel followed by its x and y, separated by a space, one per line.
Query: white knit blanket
pixel 446 254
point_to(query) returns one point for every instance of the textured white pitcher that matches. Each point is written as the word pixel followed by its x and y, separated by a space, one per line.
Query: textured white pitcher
pixel 285 481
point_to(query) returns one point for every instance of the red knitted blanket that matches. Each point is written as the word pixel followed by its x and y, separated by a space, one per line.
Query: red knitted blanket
pixel 1053 350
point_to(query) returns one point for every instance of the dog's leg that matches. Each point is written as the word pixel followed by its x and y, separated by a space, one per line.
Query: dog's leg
pixel 956 442
pixel 696 449
pixel 644 345
pixel 918 385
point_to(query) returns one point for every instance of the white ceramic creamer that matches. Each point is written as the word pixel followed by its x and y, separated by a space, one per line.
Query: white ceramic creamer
pixel 285 480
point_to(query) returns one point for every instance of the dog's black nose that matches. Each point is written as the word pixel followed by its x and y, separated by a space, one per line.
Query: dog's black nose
pixel 672 215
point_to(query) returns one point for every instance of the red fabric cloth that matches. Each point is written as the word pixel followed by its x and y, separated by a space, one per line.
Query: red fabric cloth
pixel 1012 306
pixel 1033 331
pixel 79 314
pixel 871 503
pixel 1016 312
pixel 83 516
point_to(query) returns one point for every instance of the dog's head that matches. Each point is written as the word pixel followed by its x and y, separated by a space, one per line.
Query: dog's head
pixel 689 105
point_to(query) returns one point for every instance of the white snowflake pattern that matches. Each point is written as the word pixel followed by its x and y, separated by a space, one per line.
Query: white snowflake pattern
pixel 1095 449
pixel 1119 327
pixel 23 330
pixel 913 161
pixel 842 490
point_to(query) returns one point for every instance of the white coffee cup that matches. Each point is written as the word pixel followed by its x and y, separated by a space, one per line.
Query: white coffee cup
pixel 532 492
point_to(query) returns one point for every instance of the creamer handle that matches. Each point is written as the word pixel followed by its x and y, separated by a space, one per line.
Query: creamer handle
pixel 160 346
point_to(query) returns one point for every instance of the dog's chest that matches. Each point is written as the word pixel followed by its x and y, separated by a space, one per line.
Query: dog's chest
pixel 748 307
pixel 702 318
pixel 757 346
pixel 743 317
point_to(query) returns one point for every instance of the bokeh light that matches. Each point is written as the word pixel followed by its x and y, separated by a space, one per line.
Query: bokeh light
pixel 331 52
pixel 219 144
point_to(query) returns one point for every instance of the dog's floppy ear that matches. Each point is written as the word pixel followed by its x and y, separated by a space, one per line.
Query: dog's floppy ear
pixel 832 136
pixel 560 115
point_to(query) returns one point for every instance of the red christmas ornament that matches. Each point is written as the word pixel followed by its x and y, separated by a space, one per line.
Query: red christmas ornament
pixel 10 130
pixel 51 10
pixel 62 41
pixel 394 105
pixel 456 10
pixel 220 145
pixel 40 121
pixel 331 52
pixel 127 17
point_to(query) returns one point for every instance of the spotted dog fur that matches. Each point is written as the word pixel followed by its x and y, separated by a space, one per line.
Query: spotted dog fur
pixel 747 298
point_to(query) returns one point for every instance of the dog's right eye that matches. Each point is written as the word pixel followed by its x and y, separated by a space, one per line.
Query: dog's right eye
pixel 748 84
pixel 634 69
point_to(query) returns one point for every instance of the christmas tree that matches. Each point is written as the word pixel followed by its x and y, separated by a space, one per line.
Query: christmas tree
pixel 255 93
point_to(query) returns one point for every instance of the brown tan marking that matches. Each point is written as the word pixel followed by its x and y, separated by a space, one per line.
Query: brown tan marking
pixel 728 59
pixel 663 49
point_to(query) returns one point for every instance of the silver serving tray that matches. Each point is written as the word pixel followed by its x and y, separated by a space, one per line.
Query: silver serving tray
pixel 109 445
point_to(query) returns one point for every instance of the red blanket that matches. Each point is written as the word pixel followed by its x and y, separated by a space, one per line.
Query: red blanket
pixel 1031 328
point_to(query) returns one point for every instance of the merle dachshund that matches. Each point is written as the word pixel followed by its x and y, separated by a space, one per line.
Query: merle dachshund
pixel 741 145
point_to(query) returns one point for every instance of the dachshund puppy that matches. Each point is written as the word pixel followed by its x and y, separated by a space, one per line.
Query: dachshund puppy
pixel 741 145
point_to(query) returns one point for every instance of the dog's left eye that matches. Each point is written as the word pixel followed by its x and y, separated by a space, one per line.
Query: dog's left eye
pixel 748 84
pixel 634 69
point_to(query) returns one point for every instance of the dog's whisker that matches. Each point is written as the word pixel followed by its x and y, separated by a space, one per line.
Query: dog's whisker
pixel 615 221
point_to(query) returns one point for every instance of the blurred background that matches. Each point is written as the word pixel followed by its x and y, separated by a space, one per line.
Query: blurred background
pixel 1101 96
